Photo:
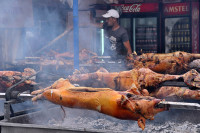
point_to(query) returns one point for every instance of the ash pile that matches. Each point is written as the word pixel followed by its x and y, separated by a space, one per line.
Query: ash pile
pixel 172 121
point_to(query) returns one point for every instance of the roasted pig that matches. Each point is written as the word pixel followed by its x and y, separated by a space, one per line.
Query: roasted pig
pixel 9 78
pixel 85 56
pixel 140 81
pixel 177 93
pixel 122 105
pixel 170 63
pixel 66 60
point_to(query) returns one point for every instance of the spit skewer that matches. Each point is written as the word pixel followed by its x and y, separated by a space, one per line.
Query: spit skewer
pixel 20 95
pixel 162 104
pixel 10 89
pixel 174 83
pixel 179 105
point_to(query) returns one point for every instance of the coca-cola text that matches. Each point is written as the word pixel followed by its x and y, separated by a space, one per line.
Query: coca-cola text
pixel 131 8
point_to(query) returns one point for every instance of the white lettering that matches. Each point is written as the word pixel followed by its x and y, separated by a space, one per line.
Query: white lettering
pixel 184 8
pixel 131 8
pixel 176 9
pixel 171 9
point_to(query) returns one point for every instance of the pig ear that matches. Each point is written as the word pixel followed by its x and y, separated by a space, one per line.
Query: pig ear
pixel 141 122
pixel 121 101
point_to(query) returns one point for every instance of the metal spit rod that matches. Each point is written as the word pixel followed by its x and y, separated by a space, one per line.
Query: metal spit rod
pixel 179 105
pixel 20 95
pixel 11 88
pixel 162 104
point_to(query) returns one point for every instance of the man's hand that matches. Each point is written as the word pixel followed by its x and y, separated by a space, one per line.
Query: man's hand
pixel 129 57
pixel 129 61
pixel 128 47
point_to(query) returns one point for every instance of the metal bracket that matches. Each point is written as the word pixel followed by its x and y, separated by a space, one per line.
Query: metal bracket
pixel 10 92
pixel 8 110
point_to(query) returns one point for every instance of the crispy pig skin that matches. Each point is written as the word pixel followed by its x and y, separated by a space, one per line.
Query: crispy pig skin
pixel 140 81
pixel 176 92
pixel 135 78
pixel 122 105
pixel 66 59
pixel 9 78
pixel 171 63
pixel 166 63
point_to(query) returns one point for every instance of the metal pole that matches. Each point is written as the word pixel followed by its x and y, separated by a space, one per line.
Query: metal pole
pixel 76 34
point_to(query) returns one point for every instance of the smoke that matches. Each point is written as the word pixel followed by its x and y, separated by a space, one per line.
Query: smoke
pixel 27 25
pixel 14 16
pixel 112 1
pixel 169 121
pixel 63 1
pixel 49 23
pixel 33 25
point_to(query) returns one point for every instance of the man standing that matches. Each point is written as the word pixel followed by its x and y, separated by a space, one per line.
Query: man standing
pixel 119 45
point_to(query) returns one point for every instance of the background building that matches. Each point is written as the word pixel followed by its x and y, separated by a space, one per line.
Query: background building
pixel 158 26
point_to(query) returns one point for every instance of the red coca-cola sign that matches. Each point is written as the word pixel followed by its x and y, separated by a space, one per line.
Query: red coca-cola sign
pixel 176 9
pixel 140 7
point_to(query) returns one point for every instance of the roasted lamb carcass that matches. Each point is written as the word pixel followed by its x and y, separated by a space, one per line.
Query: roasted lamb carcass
pixel 9 78
pixel 170 63
pixel 122 105
pixel 140 81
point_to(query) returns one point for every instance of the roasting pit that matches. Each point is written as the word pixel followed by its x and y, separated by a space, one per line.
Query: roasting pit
pixel 79 120
pixel 46 120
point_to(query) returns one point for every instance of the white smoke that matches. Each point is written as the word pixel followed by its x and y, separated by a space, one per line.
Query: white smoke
pixel 63 1
pixel 70 2
pixel 111 1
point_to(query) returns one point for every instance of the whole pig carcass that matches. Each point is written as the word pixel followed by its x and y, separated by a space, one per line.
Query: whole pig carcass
pixel 142 82
pixel 169 63
pixel 9 78
pixel 85 56
pixel 66 60
pixel 122 105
